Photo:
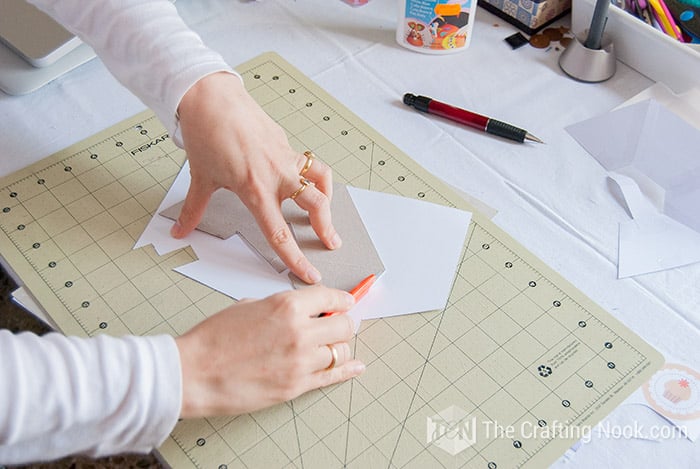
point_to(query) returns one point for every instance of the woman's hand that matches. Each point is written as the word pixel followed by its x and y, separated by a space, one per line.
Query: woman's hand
pixel 232 143
pixel 258 353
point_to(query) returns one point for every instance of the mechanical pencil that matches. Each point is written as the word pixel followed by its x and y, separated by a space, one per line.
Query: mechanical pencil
pixel 359 291
pixel 462 116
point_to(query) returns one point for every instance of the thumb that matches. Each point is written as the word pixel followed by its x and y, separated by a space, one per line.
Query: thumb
pixel 192 211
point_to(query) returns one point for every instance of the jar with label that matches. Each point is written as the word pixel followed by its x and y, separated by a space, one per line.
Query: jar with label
pixel 435 26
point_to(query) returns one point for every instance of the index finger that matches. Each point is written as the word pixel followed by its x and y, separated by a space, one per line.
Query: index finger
pixel 313 301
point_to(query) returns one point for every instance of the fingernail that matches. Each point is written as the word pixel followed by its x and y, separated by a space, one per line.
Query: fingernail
pixel 313 275
pixel 175 230
pixel 336 242
pixel 349 300
pixel 358 368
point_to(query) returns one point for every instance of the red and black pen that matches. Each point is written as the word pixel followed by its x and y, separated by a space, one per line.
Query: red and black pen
pixel 462 116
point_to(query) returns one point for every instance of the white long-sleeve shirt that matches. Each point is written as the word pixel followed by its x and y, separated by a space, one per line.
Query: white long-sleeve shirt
pixel 66 395
pixel 146 45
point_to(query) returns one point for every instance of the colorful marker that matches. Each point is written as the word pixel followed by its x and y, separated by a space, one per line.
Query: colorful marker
pixel 663 16
pixel 358 292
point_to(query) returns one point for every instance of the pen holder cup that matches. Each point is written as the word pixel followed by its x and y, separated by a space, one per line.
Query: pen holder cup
pixel 589 65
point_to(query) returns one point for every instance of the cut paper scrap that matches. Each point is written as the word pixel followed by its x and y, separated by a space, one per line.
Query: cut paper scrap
pixel 651 241
pixel 342 268
pixel 420 244
pixel 650 145
pixel 658 144
pixel 685 105
pixel 252 277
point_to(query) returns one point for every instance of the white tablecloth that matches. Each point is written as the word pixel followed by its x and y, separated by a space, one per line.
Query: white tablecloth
pixel 553 198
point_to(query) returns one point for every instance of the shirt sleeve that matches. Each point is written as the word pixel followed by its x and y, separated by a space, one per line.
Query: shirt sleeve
pixel 96 396
pixel 146 45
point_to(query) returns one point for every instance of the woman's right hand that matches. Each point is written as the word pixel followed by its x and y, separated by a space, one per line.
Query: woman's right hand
pixel 257 353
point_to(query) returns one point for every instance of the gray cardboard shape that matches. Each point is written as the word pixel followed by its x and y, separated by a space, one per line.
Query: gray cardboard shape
pixel 341 268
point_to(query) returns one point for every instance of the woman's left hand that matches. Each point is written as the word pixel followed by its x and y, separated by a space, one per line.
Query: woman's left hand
pixel 232 143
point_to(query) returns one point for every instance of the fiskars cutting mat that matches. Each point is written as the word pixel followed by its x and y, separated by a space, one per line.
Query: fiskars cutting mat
pixel 510 373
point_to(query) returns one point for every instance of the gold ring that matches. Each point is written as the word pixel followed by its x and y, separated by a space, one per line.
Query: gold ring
pixel 334 358
pixel 309 159
pixel 304 182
